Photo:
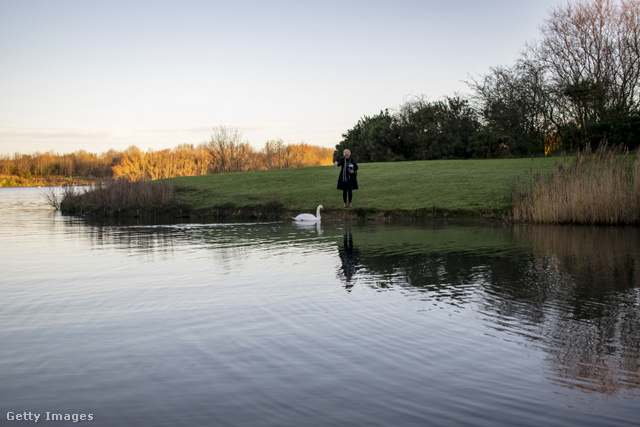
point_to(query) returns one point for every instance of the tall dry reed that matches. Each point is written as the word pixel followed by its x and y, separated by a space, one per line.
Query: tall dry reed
pixel 146 197
pixel 601 187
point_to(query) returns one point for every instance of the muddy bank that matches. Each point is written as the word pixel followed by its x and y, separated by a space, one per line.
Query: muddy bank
pixel 267 212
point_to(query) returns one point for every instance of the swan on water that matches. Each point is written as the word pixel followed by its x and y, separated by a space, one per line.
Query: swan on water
pixel 308 216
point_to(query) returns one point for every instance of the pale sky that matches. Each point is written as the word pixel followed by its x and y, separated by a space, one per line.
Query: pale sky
pixel 101 74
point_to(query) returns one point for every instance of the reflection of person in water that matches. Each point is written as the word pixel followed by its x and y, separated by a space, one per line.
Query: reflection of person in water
pixel 349 257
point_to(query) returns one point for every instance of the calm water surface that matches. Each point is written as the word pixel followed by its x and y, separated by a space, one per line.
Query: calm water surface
pixel 274 324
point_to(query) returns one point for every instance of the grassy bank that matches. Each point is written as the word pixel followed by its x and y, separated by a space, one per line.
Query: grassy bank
pixel 422 189
pixel 415 189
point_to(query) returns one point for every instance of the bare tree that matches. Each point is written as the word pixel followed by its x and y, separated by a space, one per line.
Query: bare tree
pixel 274 153
pixel 579 83
pixel 228 152
pixel 516 104
pixel 592 52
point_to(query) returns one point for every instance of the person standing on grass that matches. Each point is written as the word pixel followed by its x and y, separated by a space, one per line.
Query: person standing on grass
pixel 348 178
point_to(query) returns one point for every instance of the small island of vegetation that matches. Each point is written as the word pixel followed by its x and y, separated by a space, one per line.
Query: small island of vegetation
pixel 601 187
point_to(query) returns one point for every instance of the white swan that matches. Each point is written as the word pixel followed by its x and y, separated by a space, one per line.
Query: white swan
pixel 308 216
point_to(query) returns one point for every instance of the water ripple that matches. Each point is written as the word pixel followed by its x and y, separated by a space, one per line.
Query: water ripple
pixel 336 324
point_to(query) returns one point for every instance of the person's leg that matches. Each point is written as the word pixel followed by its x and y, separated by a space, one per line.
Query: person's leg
pixel 344 197
pixel 350 196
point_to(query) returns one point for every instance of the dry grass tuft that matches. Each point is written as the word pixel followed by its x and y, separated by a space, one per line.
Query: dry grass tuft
pixel 601 187
pixel 144 197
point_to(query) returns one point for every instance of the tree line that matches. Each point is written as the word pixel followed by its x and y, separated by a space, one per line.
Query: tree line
pixel 224 152
pixel 578 85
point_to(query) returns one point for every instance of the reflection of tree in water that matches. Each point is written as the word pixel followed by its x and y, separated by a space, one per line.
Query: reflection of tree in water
pixel 574 293
pixel 228 243
pixel 136 236
pixel 593 276
pixel 448 278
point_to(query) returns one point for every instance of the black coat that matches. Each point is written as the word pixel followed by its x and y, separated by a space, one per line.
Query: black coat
pixel 347 180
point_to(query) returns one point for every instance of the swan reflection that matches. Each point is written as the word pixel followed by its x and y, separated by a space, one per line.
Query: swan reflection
pixel 309 225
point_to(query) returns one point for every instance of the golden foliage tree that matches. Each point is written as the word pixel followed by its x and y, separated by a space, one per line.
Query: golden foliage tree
pixel 224 152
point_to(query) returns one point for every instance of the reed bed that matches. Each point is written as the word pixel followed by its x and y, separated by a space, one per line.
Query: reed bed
pixel 120 196
pixel 601 187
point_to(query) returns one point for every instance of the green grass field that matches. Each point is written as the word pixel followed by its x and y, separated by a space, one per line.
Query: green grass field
pixel 443 187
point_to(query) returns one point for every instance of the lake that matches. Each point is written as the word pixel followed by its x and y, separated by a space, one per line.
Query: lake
pixel 444 323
